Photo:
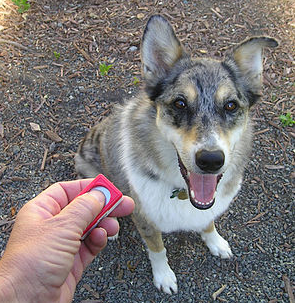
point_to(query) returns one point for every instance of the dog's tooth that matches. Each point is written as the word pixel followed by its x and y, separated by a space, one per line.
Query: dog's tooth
pixel 192 194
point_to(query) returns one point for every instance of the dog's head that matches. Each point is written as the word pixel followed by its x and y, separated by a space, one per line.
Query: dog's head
pixel 202 104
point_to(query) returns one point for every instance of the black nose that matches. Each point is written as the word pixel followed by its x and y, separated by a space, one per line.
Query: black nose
pixel 210 161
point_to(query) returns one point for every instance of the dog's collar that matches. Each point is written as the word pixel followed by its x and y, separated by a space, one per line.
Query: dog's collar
pixel 180 193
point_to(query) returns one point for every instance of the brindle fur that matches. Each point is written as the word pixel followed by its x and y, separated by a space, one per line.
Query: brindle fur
pixel 135 147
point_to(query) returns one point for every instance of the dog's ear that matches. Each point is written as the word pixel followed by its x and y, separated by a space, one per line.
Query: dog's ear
pixel 160 49
pixel 248 58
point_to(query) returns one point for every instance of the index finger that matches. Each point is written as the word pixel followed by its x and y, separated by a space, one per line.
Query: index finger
pixel 65 192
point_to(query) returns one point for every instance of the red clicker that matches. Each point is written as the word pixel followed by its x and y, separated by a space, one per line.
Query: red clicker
pixel 113 197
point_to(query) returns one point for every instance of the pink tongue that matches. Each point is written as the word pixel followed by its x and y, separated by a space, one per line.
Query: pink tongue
pixel 203 186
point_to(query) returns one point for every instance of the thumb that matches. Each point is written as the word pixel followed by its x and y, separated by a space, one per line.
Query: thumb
pixel 83 209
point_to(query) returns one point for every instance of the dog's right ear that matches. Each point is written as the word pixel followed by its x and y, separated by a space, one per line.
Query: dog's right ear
pixel 160 49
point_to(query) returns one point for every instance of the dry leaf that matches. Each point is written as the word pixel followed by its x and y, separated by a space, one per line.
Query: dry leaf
pixel 93 15
pixel 140 16
pixel 13 211
pixel 120 274
pixel 130 266
pixel 35 127
pixel 53 136
pixel 206 23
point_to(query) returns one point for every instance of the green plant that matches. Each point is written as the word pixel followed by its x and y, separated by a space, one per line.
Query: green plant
pixel 287 120
pixel 135 80
pixel 104 68
pixel 273 98
pixel 23 5
pixel 56 55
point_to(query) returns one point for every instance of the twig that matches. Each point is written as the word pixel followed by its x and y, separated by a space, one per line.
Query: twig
pixel 2 170
pixel 261 131
pixel 274 166
pixel 85 55
pixel 4 222
pixel 16 135
pixel 44 159
pixel 260 248
pixel 14 44
pixel 18 179
pixel 218 292
pixel 254 220
pixel 40 105
pixel 269 81
pixel 275 125
pixel 1 131
pixel 288 288
pixel 216 13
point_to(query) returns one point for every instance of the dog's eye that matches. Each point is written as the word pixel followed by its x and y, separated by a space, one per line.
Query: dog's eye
pixel 180 103
pixel 231 106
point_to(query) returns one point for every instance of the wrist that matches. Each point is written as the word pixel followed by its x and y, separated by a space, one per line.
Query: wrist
pixel 7 291
pixel 14 285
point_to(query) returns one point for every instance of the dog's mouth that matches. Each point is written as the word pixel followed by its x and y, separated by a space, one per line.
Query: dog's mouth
pixel 201 187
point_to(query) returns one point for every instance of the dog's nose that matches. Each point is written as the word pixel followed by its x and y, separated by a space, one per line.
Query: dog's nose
pixel 210 161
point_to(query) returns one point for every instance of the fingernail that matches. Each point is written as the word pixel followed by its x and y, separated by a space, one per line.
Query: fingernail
pixel 103 232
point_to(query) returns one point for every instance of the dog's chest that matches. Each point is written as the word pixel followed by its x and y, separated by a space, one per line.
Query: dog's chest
pixel 173 214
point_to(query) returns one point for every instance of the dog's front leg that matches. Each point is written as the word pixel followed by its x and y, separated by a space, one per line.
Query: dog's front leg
pixel 216 244
pixel 164 277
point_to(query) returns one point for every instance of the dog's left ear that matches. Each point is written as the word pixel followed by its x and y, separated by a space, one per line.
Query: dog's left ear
pixel 248 58
pixel 160 49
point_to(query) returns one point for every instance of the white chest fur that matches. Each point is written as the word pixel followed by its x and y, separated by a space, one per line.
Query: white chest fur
pixel 174 214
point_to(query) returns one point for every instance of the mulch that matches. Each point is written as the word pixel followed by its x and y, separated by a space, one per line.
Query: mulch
pixel 52 91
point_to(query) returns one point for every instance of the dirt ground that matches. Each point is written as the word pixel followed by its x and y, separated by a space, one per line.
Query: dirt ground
pixel 52 92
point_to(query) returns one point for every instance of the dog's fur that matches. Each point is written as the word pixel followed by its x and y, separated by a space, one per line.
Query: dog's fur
pixel 189 129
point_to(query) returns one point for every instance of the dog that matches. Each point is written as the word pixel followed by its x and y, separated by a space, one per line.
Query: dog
pixel 180 146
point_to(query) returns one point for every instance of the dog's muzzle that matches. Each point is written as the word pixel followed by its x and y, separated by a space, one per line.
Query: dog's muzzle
pixel 202 187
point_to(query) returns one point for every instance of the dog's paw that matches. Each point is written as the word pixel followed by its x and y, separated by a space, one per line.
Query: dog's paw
pixel 217 245
pixel 114 238
pixel 220 248
pixel 164 277
pixel 165 280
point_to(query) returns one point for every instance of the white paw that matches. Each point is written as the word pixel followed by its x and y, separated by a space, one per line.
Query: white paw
pixel 164 277
pixel 217 245
pixel 165 280
pixel 220 248
pixel 114 238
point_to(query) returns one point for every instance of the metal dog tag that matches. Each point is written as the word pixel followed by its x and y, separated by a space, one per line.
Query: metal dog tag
pixel 181 194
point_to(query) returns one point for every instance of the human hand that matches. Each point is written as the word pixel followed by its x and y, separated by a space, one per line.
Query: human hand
pixel 44 258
